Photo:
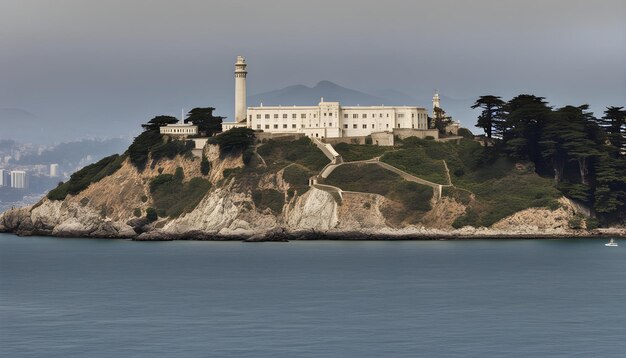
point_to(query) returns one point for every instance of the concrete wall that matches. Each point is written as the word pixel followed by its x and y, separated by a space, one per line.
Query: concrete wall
pixel 403 133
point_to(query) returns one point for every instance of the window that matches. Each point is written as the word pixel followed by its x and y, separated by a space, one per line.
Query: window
pixel 284 126
pixel 398 125
pixel 267 126
pixel 372 125
pixel 275 126
pixel 303 115
pixel 285 115
pixel 330 114
pixel 400 115
pixel 364 115
pixel 412 115
pixel 355 116
pixel 276 115
pixel 330 124
pixel 365 126
pixel 294 116
pixel 315 115
pixel 387 125
pixel 267 116
pixel 293 126
pixel 345 126
pixel 258 116
pixel 324 114
pixel 250 117
pixel 303 126
pixel 258 126
pixel 387 115
pixel 345 115
pixel 381 115
pixel 354 126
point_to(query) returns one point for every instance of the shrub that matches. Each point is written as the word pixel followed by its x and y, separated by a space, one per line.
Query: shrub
pixel 137 212
pixel 92 173
pixel 459 172
pixel 297 176
pixel 234 140
pixel 144 198
pixel 172 197
pixel 151 142
pixel 592 223
pixel 278 154
pixel 269 198
pixel 205 166
pixel 466 133
pixel 151 214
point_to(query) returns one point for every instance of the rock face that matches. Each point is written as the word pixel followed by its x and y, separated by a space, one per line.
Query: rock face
pixel 228 211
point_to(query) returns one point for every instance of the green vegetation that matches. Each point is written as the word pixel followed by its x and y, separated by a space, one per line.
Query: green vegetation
pixel 208 124
pixel 151 143
pixel 354 152
pixel 298 177
pixel 278 154
pixel 269 198
pixel 371 178
pixel 416 161
pixel 137 212
pixel 151 215
pixel 172 197
pixel 234 141
pixel 205 166
pixel 583 154
pixel 92 173
pixel 159 121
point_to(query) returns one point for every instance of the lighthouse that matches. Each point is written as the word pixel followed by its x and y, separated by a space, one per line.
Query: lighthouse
pixel 240 90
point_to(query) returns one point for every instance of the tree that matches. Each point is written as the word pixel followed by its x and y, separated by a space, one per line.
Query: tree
pixel 614 124
pixel 441 120
pixel 208 124
pixel 581 138
pixel 235 140
pixel 610 193
pixel 490 119
pixel 525 116
pixel 159 121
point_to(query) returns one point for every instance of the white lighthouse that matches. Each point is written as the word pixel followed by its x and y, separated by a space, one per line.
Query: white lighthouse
pixel 240 90
pixel 436 103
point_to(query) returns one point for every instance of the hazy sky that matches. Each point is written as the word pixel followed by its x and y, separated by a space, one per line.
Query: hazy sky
pixel 106 66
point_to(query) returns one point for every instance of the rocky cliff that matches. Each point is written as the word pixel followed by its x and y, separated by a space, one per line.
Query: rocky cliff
pixel 235 208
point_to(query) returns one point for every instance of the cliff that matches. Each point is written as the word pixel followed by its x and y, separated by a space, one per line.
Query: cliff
pixel 274 191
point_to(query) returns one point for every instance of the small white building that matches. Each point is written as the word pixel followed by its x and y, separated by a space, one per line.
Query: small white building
pixel 5 178
pixel 54 170
pixel 182 129
pixel 19 179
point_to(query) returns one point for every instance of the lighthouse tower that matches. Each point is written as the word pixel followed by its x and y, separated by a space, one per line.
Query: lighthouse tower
pixel 435 102
pixel 240 90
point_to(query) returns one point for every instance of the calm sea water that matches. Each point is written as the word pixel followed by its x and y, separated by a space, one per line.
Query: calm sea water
pixel 116 298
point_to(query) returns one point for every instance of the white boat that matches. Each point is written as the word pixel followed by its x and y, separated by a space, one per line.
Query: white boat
pixel 611 243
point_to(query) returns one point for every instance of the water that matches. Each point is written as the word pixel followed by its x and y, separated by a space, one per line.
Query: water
pixel 115 298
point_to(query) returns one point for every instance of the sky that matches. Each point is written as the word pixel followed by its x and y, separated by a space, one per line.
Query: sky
pixel 84 68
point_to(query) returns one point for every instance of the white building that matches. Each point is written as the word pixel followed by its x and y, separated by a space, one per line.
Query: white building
pixel 182 129
pixel 5 178
pixel 19 179
pixel 54 170
pixel 326 119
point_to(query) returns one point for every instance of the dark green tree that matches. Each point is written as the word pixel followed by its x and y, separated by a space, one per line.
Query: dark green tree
pixel 610 191
pixel 614 124
pixel 525 116
pixel 441 120
pixel 490 119
pixel 208 124
pixel 159 121
pixel 581 138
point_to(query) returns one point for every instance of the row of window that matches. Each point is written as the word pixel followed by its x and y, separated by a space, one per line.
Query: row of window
pixel 345 115
pixel 345 126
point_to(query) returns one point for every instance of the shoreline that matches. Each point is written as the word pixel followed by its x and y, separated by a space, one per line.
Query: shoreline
pixel 280 236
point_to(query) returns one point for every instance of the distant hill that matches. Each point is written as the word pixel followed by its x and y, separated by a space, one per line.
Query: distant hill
pixel 301 95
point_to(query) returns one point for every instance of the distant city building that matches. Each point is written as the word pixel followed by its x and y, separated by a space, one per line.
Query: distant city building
pixel 54 170
pixel 5 178
pixel 19 179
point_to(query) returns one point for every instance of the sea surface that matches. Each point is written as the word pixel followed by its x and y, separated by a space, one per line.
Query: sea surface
pixel 484 298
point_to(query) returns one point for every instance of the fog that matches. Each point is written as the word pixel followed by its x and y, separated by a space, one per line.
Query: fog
pixel 82 68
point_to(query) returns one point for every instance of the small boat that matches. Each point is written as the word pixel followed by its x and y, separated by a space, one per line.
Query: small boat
pixel 611 243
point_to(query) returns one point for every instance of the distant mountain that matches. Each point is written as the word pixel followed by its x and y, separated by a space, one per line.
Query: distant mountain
pixel 19 124
pixel 301 95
